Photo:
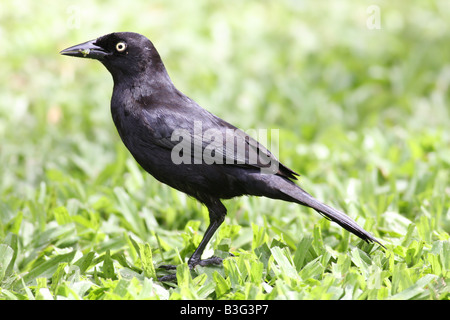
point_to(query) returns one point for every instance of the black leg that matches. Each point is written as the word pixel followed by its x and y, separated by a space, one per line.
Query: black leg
pixel 217 213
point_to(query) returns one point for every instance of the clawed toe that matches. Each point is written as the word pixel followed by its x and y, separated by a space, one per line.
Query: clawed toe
pixel 170 277
pixel 206 262
pixel 167 267
pixel 192 263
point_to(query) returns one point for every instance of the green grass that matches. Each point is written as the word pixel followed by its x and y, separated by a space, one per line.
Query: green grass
pixel 363 116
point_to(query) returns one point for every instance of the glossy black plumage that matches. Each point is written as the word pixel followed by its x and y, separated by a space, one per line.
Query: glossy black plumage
pixel 147 108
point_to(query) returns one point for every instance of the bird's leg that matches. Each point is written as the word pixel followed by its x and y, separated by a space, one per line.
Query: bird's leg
pixel 195 259
pixel 217 212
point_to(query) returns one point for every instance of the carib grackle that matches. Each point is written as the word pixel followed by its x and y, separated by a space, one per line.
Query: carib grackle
pixel 165 132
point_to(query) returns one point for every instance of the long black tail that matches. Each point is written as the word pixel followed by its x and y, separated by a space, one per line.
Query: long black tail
pixel 282 188
pixel 301 196
pixel 277 187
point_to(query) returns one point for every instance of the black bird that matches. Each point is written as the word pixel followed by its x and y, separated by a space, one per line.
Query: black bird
pixel 165 132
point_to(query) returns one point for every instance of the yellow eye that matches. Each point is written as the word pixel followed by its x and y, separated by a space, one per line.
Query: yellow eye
pixel 121 46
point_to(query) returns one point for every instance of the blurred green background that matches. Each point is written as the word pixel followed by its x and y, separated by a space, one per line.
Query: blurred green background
pixel 358 89
pixel 337 90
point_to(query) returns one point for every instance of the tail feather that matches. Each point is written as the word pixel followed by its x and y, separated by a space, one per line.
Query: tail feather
pixel 277 187
pixel 302 197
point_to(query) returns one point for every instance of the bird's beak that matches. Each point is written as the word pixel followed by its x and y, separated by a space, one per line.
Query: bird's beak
pixel 86 50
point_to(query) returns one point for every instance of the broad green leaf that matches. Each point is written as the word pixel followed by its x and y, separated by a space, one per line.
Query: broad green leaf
pixel 6 256
pixel 145 252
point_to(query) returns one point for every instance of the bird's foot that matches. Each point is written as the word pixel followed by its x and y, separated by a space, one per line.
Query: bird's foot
pixel 192 263
pixel 205 262
pixel 167 267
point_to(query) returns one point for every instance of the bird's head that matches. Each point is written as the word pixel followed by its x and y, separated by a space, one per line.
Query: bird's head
pixel 122 53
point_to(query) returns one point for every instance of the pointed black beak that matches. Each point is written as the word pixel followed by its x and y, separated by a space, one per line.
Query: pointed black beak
pixel 86 50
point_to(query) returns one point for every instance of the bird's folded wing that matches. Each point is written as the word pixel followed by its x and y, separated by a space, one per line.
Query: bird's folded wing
pixel 211 140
